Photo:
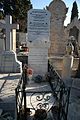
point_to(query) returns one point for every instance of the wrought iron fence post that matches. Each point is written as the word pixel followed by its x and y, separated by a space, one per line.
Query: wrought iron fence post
pixel 24 86
pixel 60 106
pixel 16 95
pixel 24 93
pixel 68 102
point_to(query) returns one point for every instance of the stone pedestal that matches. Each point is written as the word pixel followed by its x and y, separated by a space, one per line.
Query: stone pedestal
pixel 9 62
pixel 57 63
pixel 67 66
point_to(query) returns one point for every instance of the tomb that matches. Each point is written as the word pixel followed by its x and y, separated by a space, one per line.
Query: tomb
pixel 38 40
pixel 8 59
pixel 59 35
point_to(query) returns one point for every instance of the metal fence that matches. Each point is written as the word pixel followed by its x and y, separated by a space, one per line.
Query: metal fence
pixel 58 107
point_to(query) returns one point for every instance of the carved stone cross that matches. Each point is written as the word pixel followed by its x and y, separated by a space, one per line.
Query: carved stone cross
pixel 8 26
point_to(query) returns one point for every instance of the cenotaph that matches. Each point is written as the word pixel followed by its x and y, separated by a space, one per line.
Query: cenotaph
pixel 38 40
pixel 8 59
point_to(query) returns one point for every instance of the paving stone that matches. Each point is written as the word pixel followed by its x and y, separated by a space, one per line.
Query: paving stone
pixel 74 100
pixel 7 94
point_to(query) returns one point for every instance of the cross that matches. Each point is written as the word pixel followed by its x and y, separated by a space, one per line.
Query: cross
pixel 8 26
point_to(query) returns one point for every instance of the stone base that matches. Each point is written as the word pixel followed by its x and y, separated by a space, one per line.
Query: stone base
pixel 9 62
pixel 38 57
pixel 57 63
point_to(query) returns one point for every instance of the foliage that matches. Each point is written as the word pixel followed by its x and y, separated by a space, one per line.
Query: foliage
pixel 18 9
pixel 74 11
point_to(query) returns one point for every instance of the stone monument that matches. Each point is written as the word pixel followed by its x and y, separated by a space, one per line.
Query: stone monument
pixel 8 59
pixel 57 36
pixel 73 29
pixel 38 40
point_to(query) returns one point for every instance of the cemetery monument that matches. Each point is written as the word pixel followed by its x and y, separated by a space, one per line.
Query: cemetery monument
pixel 38 40
pixel 59 35
pixel 58 11
pixel 8 59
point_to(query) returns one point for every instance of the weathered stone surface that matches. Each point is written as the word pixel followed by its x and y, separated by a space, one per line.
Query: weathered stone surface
pixel 57 63
pixel 9 62
pixel 57 36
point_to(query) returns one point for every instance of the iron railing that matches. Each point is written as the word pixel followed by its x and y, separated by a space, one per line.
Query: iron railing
pixel 58 107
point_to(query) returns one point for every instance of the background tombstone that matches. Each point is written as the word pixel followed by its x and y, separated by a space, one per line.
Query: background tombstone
pixel 38 40
pixel 8 59
pixel 74 32
pixel 73 29
pixel 57 36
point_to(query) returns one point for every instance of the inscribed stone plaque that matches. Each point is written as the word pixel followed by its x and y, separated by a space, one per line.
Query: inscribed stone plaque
pixel 38 25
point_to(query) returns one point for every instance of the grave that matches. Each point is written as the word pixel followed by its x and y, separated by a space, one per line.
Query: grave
pixel 38 40
pixel 8 59
pixel 59 36
pixel 10 68
pixel 57 49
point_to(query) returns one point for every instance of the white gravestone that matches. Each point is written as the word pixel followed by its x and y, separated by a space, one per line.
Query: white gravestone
pixel 38 34
pixel 38 25
pixel 8 58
